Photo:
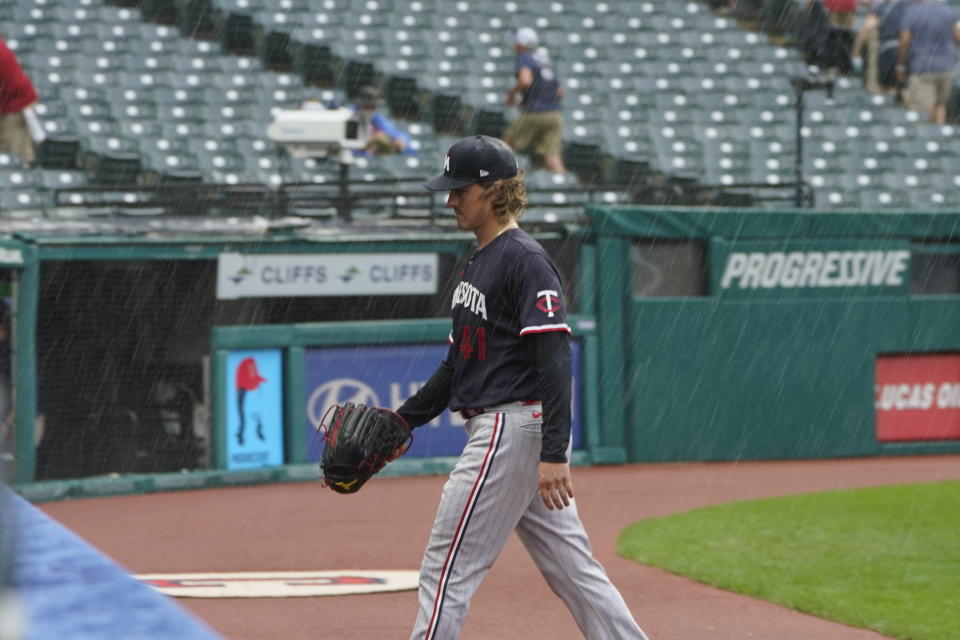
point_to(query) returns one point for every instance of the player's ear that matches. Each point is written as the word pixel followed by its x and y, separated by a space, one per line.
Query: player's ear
pixel 490 190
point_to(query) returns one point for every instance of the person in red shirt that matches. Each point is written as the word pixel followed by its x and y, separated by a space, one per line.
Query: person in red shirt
pixel 841 12
pixel 17 97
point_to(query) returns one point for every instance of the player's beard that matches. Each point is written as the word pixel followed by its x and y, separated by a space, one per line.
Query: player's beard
pixel 463 222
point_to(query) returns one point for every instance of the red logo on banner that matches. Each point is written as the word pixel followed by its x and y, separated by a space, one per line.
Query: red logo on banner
pixel 918 397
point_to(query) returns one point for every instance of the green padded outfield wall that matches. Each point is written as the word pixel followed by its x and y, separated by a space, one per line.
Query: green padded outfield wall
pixel 733 335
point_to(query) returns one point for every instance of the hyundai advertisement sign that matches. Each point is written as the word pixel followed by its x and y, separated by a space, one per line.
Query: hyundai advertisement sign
pixel 385 376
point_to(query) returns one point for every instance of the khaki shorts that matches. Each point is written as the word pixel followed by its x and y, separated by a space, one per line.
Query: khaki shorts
pixel 842 19
pixel 15 137
pixel 926 90
pixel 540 133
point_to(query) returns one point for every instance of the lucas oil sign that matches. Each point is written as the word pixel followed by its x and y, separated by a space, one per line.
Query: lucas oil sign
pixel 917 397
pixel 336 274
pixel 749 268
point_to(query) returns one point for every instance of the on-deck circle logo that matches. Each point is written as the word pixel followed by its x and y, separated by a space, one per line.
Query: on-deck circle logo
pixel 338 391
pixel 279 584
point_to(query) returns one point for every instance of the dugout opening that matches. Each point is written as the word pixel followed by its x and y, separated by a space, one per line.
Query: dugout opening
pixel 123 358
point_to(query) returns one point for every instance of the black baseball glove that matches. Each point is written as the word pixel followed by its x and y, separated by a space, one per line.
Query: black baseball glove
pixel 360 440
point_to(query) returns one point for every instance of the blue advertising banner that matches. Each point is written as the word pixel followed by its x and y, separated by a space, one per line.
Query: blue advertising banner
pixel 385 376
pixel 254 409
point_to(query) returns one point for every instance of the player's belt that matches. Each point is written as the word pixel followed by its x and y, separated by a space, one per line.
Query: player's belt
pixel 470 413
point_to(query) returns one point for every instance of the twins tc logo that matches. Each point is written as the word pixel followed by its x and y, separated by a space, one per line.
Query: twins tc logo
pixel 548 301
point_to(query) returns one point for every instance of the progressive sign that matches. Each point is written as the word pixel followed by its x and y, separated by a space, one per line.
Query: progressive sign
pixel 749 268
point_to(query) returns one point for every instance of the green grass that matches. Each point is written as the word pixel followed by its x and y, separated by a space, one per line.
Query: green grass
pixel 886 559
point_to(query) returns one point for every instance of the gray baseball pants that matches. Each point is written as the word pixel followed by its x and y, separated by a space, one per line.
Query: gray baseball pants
pixel 493 491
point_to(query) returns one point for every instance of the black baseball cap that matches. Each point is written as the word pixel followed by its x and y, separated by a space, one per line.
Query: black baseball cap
pixel 474 159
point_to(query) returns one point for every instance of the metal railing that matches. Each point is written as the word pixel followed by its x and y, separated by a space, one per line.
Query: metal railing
pixel 372 200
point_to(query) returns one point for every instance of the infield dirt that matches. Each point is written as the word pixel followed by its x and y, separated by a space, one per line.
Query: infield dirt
pixel 385 526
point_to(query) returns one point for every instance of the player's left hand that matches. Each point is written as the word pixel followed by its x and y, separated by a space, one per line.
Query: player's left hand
pixel 556 487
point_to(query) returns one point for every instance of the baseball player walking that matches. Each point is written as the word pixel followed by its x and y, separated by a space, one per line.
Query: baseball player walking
pixel 508 372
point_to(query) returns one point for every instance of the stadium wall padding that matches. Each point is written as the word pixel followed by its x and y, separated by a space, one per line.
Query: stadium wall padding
pixel 768 372
pixel 716 375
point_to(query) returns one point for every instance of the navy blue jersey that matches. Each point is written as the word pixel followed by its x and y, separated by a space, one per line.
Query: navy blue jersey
pixel 541 95
pixel 508 290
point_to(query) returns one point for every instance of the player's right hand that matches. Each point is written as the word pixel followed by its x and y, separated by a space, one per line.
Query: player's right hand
pixel 556 486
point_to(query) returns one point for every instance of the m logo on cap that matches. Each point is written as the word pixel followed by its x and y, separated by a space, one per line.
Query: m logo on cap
pixel 474 159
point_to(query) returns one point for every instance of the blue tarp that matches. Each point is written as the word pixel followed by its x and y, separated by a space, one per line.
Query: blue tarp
pixel 68 589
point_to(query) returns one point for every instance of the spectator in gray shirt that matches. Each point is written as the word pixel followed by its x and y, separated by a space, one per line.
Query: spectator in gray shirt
pixel 929 34
pixel 880 35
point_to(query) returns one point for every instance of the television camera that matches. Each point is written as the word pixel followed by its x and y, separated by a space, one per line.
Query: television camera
pixel 318 133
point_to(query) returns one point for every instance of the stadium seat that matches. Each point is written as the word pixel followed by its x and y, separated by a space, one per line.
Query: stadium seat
pixel 23 203
pixel 403 96
pixel 362 44
pixel 444 69
pixel 314 61
pixel 489 122
pixel 114 168
pixel 161 11
pixel 195 19
pixel 52 180
pixel 59 152
pixel 274 47
pixel 446 113
pixel 586 159
pixel 357 74
pixel 630 172
pixel 9 161
pixel 110 144
pixel 16 178
pixel 878 197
